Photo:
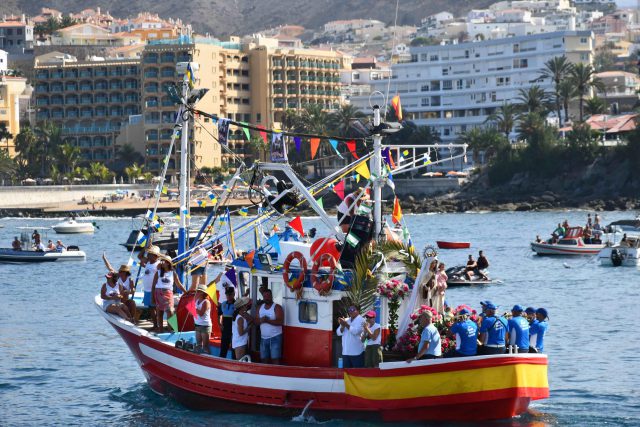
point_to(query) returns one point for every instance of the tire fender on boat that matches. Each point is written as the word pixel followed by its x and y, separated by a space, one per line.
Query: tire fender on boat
pixel 323 285
pixel 294 284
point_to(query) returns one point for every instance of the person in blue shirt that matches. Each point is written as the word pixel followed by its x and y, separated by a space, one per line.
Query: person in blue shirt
pixel 537 331
pixel 530 314
pixel 493 331
pixel 519 330
pixel 466 335
pixel 226 320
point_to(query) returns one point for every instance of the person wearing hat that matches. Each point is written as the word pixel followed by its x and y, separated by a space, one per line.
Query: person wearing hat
pixel 240 329
pixel 225 310
pixel 538 330
pixel 111 294
pixel 202 319
pixel 530 314
pixel 128 288
pixel 519 330
pixel 430 346
pixel 162 289
pixel 149 262
pixel 493 331
pixel 350 329
pixel 466 335
pixel 372 337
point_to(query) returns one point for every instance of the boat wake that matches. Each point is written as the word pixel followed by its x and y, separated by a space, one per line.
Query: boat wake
pixel 306 418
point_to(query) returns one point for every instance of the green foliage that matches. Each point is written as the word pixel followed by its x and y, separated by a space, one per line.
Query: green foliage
pixel 595 105
pixel 504 119
pixel 362 291
pixel 424 41
pixel 8 166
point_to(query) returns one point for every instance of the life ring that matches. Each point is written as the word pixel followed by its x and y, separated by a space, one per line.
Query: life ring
pixel 294 284
pixel 323 286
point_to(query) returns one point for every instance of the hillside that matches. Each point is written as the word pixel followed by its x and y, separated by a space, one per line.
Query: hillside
pixel 225 17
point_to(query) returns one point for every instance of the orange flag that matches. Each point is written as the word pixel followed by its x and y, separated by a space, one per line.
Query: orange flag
pixel 351 145
pixel 263 134
pixel 397 211
pixel 315 143
pixel 296 224
pixel 397 106
pixel 249 258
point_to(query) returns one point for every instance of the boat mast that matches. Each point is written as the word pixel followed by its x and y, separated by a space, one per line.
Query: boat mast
pixel 184 184
pixel 376 171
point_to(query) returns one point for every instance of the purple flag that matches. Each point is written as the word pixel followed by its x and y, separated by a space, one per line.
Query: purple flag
pixel 298 142
pixel 231 275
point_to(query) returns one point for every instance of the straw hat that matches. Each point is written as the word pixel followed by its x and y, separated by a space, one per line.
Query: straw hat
pixel 124 268
pixel 164 257
pixel 201 288
pixel 153 250
pixel 241 302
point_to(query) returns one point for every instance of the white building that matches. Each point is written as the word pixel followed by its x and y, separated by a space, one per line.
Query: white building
pixel 342 26
pixel 3 60
pixel 453 88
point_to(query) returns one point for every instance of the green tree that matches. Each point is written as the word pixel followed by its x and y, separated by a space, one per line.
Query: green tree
pixel 49 139
pixel 557 69
pixel 68 157
pixel 66 21
pixel 8 166
pixel 99 173
pixel 127 154
pixel 26 143
pixel 594 105
pixel 5 135
pixel 566 93
pixel 504 119
pixel 342 118
pixel 533 100
pixel 583 78
pixel 133 172
pixel 487 140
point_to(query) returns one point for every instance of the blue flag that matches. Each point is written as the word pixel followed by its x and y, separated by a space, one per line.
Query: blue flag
pixel 274 241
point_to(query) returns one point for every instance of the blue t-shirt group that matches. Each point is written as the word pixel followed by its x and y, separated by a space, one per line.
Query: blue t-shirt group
pixel 519 332
pixel 466 337
pixel 496 330
pixel 537 331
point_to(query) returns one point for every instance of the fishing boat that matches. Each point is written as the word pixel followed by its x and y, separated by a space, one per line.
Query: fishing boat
pixel 625 253
pixel 71 226
pixel 312 278
pixel 453 245
pixel 571 244
pixel 10 255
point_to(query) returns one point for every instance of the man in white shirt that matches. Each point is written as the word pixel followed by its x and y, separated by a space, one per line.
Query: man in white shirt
pixel 350 330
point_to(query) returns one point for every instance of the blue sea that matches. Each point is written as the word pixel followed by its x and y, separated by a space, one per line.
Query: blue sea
pixel 61 364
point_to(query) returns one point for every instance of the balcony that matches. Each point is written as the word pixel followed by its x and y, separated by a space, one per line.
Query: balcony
pixel 71 74
pixel 115 100
pixel 42 102
pixel 151 104
pixel 116 72
pixel 85 73
pixel 86 88
pixel 71 88
pixel 56 74
pixel 56 88
pixel 42 75
pixel 131 85
pixel 86 100
pixel 101 86
pixel 57 115
pixel 131 98
pixel 86 114
pixel 72 114
pixel 71 101
pixel 115 86
pixel 100 73
pixel 57 101
pixel 169 73
pixel 101 100
pixel 151 89
pixel 151 74
pixel 89 129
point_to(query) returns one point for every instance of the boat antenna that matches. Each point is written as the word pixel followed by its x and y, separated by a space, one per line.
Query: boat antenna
pixel 376 170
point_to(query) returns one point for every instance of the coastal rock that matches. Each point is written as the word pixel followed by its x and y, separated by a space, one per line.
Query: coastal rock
pixel 523 207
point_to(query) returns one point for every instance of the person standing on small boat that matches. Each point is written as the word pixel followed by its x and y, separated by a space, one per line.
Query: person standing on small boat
pixel 270 318
pixel 466 335
pixel 111 294
pixel 128 289
pixel 372 338
pixel 430 346
pixel 347 208
pixel 202 319
pixel 226 320
pixel 350 330
pixel 162 289
pixel 519 330
pixel 150 265
pixel 538 330
pixel 493 331
pixel 240 330
pixel 16 245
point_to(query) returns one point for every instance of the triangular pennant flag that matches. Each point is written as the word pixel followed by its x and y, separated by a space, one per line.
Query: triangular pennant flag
pixel 245 129
pixel 249 258
pixel 386 153
pixel 320 202
pixel 315 143
pixel 351 145
pixel 390 182
pixel 173 322
pixel 231 275
pixel 334 144
pixel 363 170
pixel 298 142
pixel 397 211
pixel 263 134
pixel 357 178
pixel 352 240
pixel 339 189
pixel 191 307
pixel 212 292
pixel 274 241
pixel 296 224
pixel 243 211
pixel 397 106
pixel 165 190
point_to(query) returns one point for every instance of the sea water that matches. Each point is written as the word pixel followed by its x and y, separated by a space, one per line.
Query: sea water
pixel 62 364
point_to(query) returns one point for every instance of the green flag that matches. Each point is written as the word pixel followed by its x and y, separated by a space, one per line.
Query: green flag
pixel 319 201
pixel 173 322
pixel 352 240
pixel 246 131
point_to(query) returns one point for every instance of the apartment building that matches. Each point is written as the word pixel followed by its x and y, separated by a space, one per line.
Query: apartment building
pixel 16 37
pixel 11 89
pixel 620 91
pixel 455 87
pixel 89 100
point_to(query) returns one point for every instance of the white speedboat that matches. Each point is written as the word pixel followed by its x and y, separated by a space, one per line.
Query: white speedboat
pixel 71 226
pixel 22 256
pixel 570 244
pixel 626 253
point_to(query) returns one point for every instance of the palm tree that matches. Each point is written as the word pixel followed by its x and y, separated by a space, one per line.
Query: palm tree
pixel 5 135
pixel 566 92
pixel 504 119
pixel 557 69
pixel 68 157
pixel 342 118
pixel 583 78
pixel 26 143
pixel 594 105
pixel 533 99
pixel 99 172
pixel 49 139
pixel 8 166
pixel 314 119
pixel 127 154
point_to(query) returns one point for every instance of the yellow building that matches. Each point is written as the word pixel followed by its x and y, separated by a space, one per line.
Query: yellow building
pixel 92 35
pixel 10 90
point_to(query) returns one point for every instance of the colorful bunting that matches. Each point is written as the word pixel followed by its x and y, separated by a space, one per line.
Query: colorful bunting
pixel 390 182
pixel 352 240
pixel 231 275
pixel 334 144
pixel 363 170
pixel 173 322
pixel 212 292
pixel 315 143
pixel 296 224
pixel 245 129
pixel 243 211
pixel 397 211
pixel 191 307
pixel 351 145
pixel 263 134
pixel 165 190
pixel 397 106
pixel 339 189
pixel 190 77
pixel 320 203
pixel 274 242
pixel 249 258
pixel 298 142
pixel 386 154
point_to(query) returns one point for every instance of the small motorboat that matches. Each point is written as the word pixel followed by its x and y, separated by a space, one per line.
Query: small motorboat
pixel 72 253
pixel 625 253
pixel 453 245
pixel 71 226
pixel 571 244
pixel 456 277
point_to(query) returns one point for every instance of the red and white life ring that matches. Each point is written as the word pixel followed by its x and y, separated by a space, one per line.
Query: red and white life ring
pixel 294 284
pixel 323 285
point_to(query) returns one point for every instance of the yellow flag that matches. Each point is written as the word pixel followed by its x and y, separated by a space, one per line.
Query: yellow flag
pixel 211 291
pixel 363 170
pixel 164 190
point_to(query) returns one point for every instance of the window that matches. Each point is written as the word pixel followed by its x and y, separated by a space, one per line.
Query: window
pixel 447 85
pixel 459 84
pixel 584 56
pixel 425 102
pixel 584 40
pixel 445 71
pixel 423 57
pixel 307 312
pixel 258 117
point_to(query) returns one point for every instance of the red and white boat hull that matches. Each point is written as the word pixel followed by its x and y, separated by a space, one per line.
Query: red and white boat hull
pixel 473 388
pixel 569 250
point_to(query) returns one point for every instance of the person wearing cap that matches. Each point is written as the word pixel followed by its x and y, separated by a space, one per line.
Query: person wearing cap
pixel 466 335
pixel 128 288
pixel 530 314
pixel 493 331
pixel 162 289
pixel 16 245
pixel 149 262
pixel 538 330
pixel 111 294
pixel 483 311
pixel 430 346
pixel 270 318
pixel 350 330
pixel 225 311
pixel 223 282
pixel 240 329
pixel 519 330
pixel 372 337
pixel 202 319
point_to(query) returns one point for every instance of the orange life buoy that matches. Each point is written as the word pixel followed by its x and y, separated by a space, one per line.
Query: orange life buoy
pixel 294 284
pixel 323 285
pixel 324 245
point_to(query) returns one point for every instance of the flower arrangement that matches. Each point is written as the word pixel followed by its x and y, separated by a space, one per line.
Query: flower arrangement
pixel 409 342
pixel 394 291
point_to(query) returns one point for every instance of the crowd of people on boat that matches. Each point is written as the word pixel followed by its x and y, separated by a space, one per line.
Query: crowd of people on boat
pixel 38 245
pixel 591 232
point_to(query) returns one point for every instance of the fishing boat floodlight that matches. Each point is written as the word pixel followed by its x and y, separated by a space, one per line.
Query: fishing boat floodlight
pixel 172 92
pixel 391 127
pixel 181 67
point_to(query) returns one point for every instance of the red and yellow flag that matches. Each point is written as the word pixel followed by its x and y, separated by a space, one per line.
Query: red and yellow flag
pixel 397 211
pixel 397 106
